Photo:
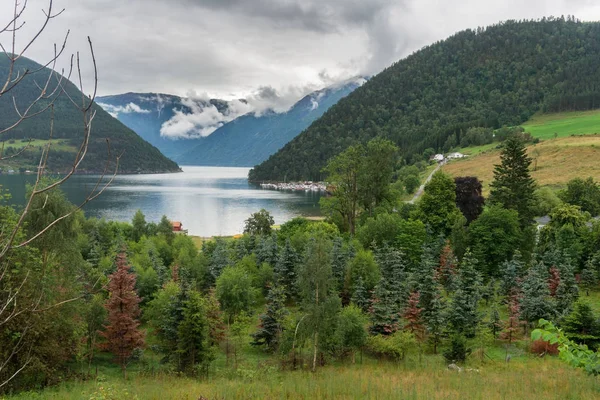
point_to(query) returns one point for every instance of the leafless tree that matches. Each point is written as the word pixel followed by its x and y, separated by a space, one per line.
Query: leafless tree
pixel 50 83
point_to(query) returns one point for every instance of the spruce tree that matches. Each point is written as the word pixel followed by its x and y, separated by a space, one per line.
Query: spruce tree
pixel 122 333
pixel 339 261
pixel 589 278
pixel 463 317
pixel 271 322
pixel 394 274
pixel 511 271
pixel 360 296
pixel 435 321
pixel 513 187
pixel 193 340
pixel 266 250
pixel 495 323
pixel 220 259
pixel 383 312
pixel 285 268
pixel 567 292
pixel 536 301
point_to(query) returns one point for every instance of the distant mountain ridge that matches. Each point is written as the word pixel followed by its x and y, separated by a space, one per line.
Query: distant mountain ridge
pixel 244 141
pixel 250 139
pixel 138 155
pixel 145 113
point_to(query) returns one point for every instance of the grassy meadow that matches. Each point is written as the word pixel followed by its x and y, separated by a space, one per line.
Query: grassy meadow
pixel 525 377
pixel 573 153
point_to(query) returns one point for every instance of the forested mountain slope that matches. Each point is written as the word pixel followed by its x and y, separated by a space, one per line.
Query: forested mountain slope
pixel 138 155
pixel 251 139
pixel 489 77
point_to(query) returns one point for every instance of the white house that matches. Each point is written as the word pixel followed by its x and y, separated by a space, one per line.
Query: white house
pixel 437 158
pixel 453 156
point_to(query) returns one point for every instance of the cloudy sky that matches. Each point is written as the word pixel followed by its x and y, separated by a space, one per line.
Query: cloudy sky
pixel 233 48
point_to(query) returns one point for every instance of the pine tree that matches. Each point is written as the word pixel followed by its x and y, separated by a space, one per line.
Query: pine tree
pixel 425 281
pixel 220 259
pixel 360 296
pixel 285 268
pixel 193 336
pixel 266 250
pixel 435 321
pixel 589 278
pixel 567 292
pixel 495 323
pixel 339 260
pixel 463 316
pixel 271 322
pixel 511 270
pixel 122 334
pixel 214 316
pixel 536 301
pixel 513 187
pixel 383 315
pixel 394 274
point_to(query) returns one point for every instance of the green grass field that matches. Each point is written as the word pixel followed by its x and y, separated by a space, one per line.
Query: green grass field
pixel 58 144
pixel 549 126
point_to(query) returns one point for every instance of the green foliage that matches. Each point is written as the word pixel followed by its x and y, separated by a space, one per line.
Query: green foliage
pixel 582 325
pixel 396 346
pixel 576 355
pixel 381 230
pixel 546 200
pixel 536 302
pixel 285 269
pixel 437 207
pixel 510 272
pixel 350 332
pixel 463 314
pixel 272 321
pixel 235 291
pixel 363 265
pixel 494 236
pixel 583 193
pixel 193 345
pixel 458 350
pixel 512 187
pixel 259 223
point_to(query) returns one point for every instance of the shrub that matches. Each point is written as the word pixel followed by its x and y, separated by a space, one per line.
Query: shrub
pixel 541 347
pixel 458 350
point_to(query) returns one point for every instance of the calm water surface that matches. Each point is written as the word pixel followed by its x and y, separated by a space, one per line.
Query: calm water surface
pixel 207 200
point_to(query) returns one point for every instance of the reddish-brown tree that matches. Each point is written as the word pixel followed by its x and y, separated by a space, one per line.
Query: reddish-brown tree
pixel 447 268
pixel 412 316
pixel 122 333
pixel 511 326
pixel 553 281
pixel 216 326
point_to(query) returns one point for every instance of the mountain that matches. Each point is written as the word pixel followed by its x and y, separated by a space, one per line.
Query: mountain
pixel 138 155
pixel 145 113
pixel 251 139
pixel 488 77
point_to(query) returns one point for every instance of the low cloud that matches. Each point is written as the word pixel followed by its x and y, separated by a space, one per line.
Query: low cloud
pixel 128 109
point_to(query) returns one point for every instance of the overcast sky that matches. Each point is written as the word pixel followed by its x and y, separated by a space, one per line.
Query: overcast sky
pixel 231 48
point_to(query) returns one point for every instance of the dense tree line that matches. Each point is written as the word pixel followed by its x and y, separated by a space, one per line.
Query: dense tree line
pixel 454 92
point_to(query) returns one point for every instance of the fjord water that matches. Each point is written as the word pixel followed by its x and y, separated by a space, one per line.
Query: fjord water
pixel 209 201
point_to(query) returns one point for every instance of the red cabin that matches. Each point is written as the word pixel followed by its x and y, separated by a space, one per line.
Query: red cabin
pixel 177 226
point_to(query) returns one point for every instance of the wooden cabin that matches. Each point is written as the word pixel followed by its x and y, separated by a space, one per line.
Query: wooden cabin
pixel 177 226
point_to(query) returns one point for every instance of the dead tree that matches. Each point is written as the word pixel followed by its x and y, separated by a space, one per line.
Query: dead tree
pixel 50 83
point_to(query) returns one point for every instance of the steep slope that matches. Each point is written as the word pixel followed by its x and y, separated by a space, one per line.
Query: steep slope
pixel 145 113
pixel 138 155
pixel 249 139
pixel 489 77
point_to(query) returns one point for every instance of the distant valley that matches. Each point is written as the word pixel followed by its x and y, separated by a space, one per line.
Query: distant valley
pixel 243 141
